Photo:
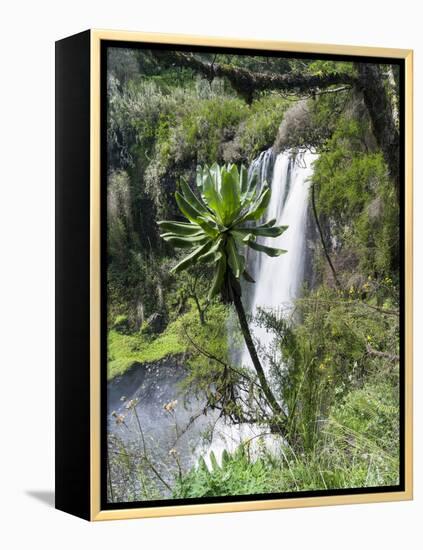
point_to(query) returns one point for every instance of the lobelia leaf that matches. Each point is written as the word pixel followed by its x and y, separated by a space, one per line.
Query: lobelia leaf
pixel 271 223
pixel 211 255
pixel 199 178
pixel 186 208
pixel 191 258
pixel 184 242
pixel 211 195
pixel 236 193
pixel 230 196
pixel 263 231
pixel 241 237
pixel 194 216
pixel 237 184
pixel 216 175
pixel 193 200
pixel 273 252
pixel 243 180
pixel 219 277
pixel 244 240
pixel 180 228
pixel 258 208
pixel 251 188
pixel 235 260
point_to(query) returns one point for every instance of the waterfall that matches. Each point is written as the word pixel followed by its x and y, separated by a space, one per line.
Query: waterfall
pixel 278 280
pixel 262 166
pixel 278 283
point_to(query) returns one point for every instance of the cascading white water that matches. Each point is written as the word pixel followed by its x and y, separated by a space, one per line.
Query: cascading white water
pixel 262 166
pixel 278 280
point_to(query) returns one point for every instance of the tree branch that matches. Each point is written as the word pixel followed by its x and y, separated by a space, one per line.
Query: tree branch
pixel 382 354
pixel 214 358
pixel 322 239
pixel 247 82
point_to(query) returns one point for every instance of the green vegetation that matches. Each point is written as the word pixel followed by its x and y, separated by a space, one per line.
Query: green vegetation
pixel 357 449
pixel 334 398
pixel 237 475
pixel 125 350
pixel 221 224
pixel 341 395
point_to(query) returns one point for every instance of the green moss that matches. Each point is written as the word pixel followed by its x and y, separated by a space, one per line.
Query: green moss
pixel 126 349
pixel 121 324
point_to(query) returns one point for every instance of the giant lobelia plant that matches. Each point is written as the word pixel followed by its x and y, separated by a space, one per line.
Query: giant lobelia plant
pixel 222 222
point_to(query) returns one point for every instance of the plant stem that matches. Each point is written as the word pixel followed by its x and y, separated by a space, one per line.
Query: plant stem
pixel 109 471
pixel 150 465
pixel 200 311
pixel 276 408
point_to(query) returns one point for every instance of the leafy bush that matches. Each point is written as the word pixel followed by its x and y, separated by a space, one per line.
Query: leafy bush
pixel 259 130
pixel 320 67
pixel 357 201
pixel 236 476
pixel 325 347
pixel 359 447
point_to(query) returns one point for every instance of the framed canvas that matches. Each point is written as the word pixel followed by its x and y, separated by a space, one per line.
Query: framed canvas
pixel 233 275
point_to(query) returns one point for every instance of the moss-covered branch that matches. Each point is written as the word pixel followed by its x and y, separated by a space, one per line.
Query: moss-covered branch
pixel 247 82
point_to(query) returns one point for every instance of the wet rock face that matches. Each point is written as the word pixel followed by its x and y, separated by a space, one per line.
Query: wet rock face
pixel 296 127
pixel 148 382
pixel 156 323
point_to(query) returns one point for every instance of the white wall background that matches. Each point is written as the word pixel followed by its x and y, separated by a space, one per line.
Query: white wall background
pixel 28 32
